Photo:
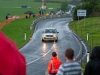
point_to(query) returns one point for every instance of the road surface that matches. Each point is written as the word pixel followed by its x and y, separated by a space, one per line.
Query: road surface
pixel 38 53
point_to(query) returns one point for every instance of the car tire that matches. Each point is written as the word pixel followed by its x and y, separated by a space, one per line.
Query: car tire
pixel 42 40
pixel 56 40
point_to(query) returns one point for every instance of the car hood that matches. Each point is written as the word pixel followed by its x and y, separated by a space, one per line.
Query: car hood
pixel 49 33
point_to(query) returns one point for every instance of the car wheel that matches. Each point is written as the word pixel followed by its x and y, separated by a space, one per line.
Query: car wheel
pixel 56 40
pixel 42 40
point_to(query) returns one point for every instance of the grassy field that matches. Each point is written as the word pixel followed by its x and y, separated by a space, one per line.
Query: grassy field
pixel 13 7
pixel 90 26
pixel 16 30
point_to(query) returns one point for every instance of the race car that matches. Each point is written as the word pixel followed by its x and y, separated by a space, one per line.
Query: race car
pixel 50 34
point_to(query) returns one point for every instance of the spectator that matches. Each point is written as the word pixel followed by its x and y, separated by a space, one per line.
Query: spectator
pixel 6 17
pixel 26 17
pixel 40 12
pixel 30 15
pixel 93 66
pixel 70 67
pixel 54 64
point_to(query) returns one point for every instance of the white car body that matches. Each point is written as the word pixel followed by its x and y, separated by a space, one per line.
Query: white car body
pixel 50 34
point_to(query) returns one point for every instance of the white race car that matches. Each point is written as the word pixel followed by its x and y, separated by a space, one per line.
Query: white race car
pixel 50 34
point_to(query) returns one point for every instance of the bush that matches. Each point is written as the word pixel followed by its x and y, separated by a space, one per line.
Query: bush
pixel 75 17
pixel 92 8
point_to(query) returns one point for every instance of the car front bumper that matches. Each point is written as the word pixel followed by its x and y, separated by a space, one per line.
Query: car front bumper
pixel 49 38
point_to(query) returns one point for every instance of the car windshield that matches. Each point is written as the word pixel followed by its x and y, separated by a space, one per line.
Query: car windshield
pixel 50 31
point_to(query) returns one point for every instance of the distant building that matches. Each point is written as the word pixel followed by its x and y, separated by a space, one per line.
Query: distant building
pixel 43 4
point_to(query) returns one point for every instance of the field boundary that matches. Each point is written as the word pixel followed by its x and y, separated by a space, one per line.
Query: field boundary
pixel 2 24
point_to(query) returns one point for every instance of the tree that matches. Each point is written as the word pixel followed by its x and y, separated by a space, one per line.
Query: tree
pixel 94 2
pixel 64 6
pixel 92 8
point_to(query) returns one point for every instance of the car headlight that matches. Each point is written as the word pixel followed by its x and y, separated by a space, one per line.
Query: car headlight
pixel 55 35
pixel 43 35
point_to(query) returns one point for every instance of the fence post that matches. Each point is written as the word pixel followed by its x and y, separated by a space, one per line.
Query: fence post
pixel 25 36
pixel 87 57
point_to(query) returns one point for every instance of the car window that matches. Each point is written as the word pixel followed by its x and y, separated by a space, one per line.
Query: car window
pixel 50 31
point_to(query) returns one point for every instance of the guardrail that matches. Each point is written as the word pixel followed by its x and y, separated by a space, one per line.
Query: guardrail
pixel 48 17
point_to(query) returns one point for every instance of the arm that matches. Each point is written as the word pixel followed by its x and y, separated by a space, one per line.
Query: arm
pixel 60 71
pixel 49 67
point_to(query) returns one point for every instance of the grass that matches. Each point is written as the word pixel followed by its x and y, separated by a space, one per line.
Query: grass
pixel 16 30
pixel 13 7
pixel 90 26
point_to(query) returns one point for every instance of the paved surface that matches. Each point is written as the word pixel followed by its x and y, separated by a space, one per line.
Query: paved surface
pixel 38 53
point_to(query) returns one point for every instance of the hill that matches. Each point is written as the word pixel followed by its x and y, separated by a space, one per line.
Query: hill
pixel 90 26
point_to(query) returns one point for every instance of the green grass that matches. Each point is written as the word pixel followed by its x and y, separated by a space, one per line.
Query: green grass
pixel 13 7
pixel 16 29
pixel 91 26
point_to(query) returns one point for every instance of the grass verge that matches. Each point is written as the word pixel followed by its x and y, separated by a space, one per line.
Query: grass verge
pixel 16 30
pixel 90 27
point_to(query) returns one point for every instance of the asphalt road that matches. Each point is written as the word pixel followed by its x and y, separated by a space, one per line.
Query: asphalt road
pixel 38 53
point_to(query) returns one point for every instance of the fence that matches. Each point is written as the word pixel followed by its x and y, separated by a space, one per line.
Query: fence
pixel 48 17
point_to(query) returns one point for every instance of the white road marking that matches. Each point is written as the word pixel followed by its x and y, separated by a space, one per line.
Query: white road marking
pixel 76 39
pixel 40 57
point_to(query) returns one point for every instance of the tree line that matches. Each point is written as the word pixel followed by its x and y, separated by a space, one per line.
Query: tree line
pixel 91 6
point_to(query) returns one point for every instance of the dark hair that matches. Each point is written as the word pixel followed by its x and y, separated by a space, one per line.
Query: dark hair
pixel 69 53
pixel 54 54
pixel 95 53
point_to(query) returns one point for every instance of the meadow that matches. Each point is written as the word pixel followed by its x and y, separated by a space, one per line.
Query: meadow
pixel 13 7
pixel 90 26
pixel 16 29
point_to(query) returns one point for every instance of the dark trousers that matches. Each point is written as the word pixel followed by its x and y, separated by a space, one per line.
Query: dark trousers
pixel 53 74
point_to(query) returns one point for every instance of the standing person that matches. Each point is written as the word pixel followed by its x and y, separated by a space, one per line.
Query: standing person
pixel 93 66
pixel 54 64
pixel 70 67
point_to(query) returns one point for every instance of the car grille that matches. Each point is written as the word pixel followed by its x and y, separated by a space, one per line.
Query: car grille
pixel 49 35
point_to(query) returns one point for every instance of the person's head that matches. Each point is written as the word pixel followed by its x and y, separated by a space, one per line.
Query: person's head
pixel 69 53
pixel 54 54
pixel 95 53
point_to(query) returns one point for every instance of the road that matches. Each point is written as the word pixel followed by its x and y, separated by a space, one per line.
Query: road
pixel 38 53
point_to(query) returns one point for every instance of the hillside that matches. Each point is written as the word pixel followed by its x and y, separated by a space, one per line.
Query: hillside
pixel 13 7
pixel 90 26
